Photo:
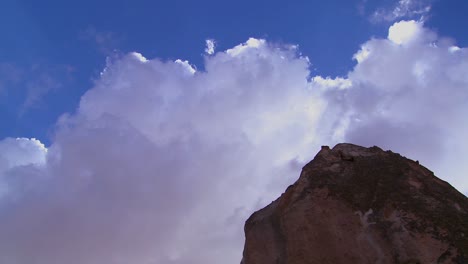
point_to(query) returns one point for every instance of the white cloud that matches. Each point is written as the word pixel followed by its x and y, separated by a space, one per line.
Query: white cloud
pixel 404 9
pixel 210 46
pixel 139 56
pixel 159 165
pixel 163 165
pixel 404 31
pixel 18 153
pixel 186 66
pixel 409 98
pixel 453 49
pixel 328 82
pixel 362 54
pixel 250 44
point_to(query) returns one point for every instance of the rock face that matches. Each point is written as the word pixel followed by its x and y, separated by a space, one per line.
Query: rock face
pixel 361 205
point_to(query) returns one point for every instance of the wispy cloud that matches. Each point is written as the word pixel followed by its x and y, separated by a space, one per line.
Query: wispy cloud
pixel 32 83
pixel 403 9
pixel 210 46
pixel 106 42
pixel 10 75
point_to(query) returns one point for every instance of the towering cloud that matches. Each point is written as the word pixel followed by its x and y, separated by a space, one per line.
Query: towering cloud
pixel 409 93
pixel 162 164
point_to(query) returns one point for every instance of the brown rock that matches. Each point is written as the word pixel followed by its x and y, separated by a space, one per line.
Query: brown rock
pixel 361 205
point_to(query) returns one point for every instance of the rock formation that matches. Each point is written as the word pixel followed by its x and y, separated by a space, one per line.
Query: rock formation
pixel 361 205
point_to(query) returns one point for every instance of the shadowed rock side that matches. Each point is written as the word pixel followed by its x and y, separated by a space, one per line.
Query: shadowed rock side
pixel 361 205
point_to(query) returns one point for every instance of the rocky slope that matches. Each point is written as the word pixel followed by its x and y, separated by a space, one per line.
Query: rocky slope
pixel 361 205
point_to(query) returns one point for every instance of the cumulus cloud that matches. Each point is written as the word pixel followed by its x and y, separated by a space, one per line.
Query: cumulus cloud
pixel 404 31
pixel 17 153
pixel 328 82
pixel 408 94
pixel 163 164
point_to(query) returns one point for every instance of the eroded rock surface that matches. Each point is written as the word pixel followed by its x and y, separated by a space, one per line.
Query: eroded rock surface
pixel 361 205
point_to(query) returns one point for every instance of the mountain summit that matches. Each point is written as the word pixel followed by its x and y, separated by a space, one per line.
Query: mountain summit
pixel 353 204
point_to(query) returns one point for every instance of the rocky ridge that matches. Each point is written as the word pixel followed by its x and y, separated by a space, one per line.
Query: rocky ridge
pixel 361 205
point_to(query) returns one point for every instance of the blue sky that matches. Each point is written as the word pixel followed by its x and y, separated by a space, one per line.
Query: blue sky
pixel 122 140
pixel 69 41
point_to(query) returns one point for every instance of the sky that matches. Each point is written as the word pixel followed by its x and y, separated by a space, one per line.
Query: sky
pixel 147 132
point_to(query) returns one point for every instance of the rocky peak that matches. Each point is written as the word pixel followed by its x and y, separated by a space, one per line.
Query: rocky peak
pixel 353 204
